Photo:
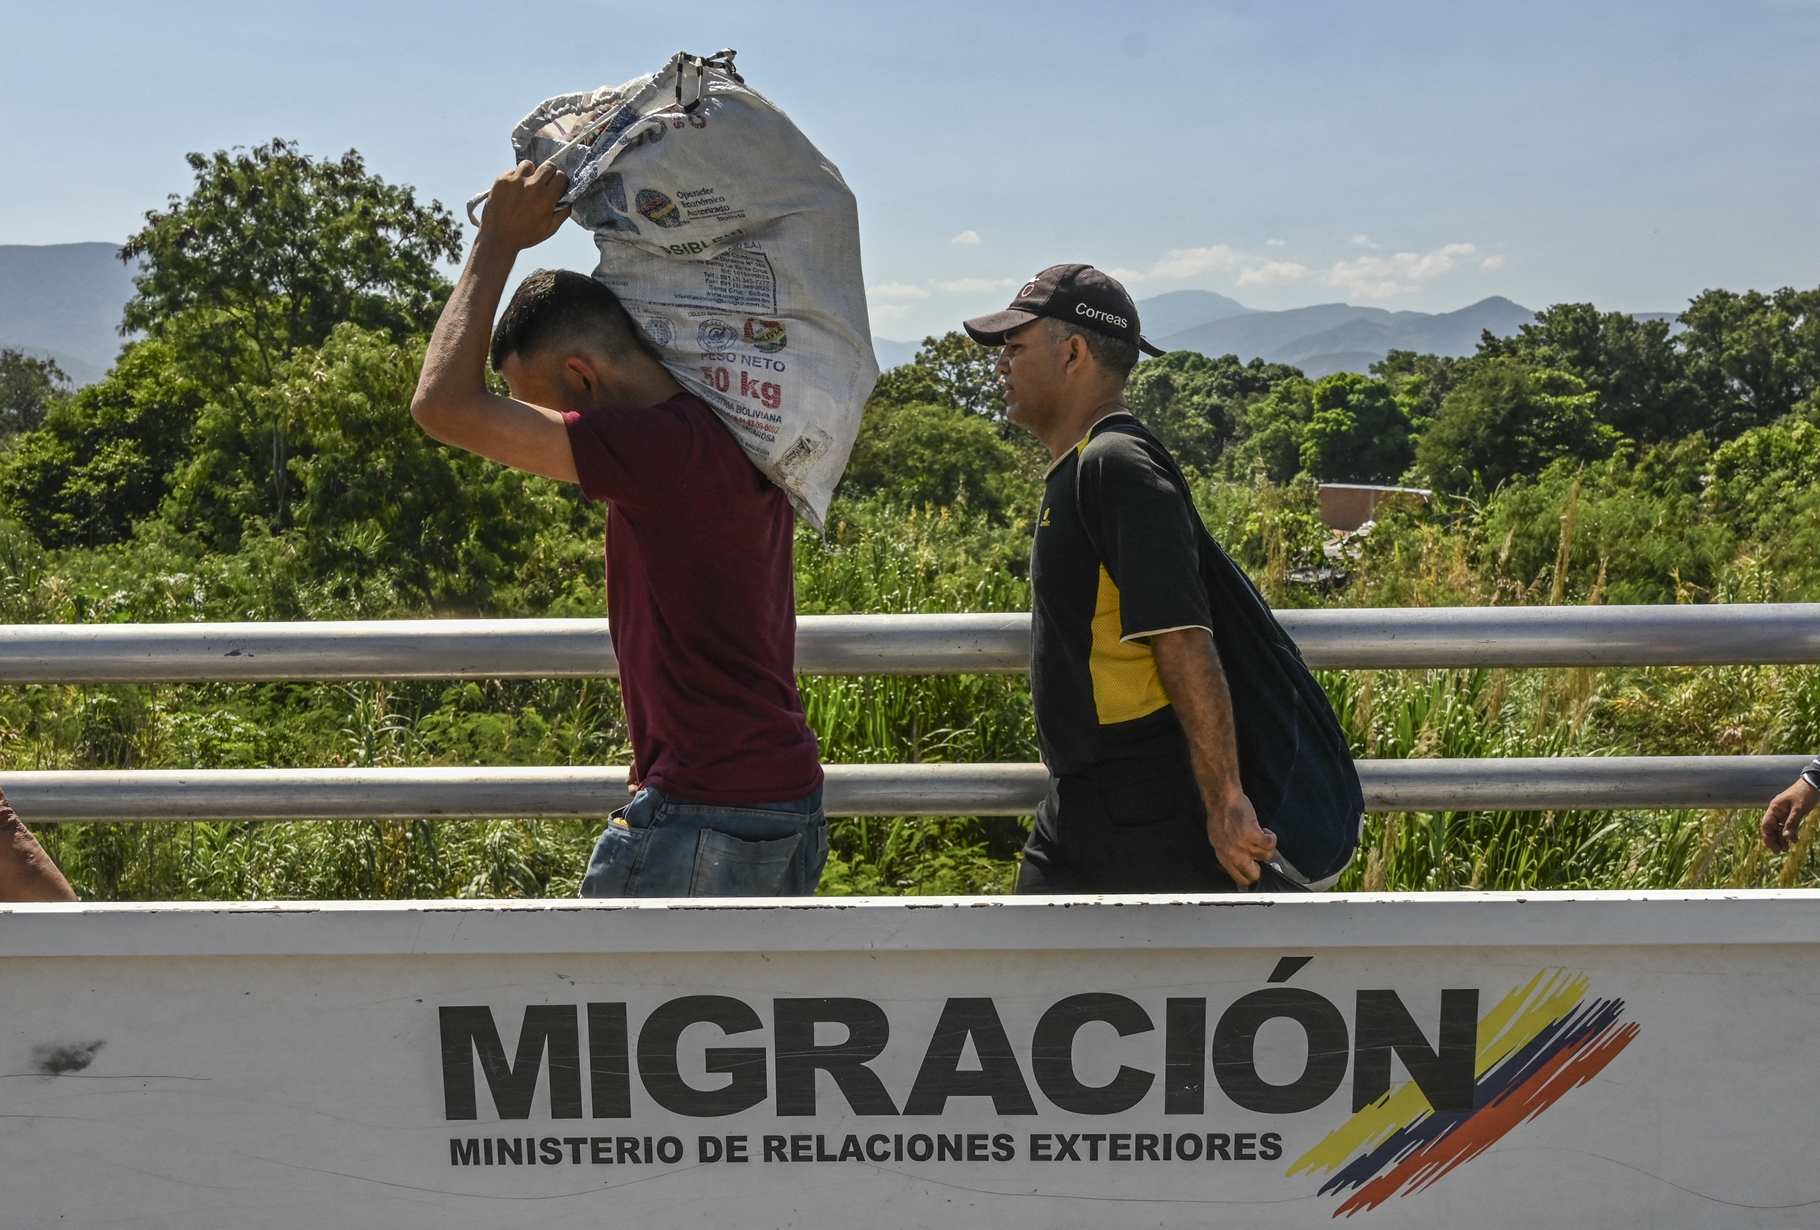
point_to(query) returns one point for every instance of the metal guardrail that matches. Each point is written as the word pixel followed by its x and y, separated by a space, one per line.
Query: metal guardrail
pixel 321 794
pixel 475 649
pixel 1398 637
pixel 867 645
pixel 1541 784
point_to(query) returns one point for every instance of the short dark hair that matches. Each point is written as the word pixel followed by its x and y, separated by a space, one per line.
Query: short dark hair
pixel 556 306
pixel 1115 354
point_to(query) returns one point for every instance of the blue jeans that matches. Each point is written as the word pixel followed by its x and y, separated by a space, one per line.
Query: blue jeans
pixel 662 846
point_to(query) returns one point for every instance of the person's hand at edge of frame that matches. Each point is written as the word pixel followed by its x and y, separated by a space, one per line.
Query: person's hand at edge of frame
pixel 1782 819
pixel 522 208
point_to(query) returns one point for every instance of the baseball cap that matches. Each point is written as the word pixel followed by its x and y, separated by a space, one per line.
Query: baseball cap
pixel 1079 294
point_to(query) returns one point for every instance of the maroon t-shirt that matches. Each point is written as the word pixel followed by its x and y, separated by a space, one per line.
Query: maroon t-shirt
pixel 701 596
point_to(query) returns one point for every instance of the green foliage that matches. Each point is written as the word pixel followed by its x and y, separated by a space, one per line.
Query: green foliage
pixel 878 557
pixel 900 445
pixel 1573 712
pixel 29 387
pixel 1756 476
pixel 1641 526
pixel 273 249
pixel 937 856
pixel 1754 357
pixel 933 454
pixel 875 557
pixel 100 459
pixel 372 496
pixel 268 254
pixel 1358 434
pixel 1274 428
pixel 1506 419
pixel 950 370
pixel 1419 382
pixel 1640 375
pixel 1196 404
pixel 254 459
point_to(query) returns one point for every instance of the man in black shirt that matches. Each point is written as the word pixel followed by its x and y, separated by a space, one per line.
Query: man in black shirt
pixel 1132 706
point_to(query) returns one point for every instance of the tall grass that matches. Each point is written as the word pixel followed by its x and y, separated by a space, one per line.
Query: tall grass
pixel 1574 713
pixel 876 557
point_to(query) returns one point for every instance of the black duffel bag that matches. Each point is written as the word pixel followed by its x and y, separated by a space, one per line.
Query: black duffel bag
pixel 1294 761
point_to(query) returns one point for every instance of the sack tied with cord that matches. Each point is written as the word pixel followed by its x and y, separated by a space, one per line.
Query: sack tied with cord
pixel 734 243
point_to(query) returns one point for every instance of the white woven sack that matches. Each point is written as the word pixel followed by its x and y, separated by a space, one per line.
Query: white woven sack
pixel 735 245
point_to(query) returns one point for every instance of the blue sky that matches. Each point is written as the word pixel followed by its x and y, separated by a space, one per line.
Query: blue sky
pixel 1409 155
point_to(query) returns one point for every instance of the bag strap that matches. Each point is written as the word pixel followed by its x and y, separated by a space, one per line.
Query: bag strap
pixel 1127 418
pixel 1205 536
pixel 1080 455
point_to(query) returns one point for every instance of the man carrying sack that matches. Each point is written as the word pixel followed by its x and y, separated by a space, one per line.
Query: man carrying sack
pixel 700 592
pixel 1189 749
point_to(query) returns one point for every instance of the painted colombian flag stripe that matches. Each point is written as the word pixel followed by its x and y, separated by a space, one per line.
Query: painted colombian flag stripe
pixel 1538 1043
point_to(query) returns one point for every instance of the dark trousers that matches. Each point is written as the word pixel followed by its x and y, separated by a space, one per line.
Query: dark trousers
pixel 1130 827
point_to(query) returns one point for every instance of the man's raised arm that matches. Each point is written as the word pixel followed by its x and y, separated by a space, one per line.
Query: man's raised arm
pixel 452 402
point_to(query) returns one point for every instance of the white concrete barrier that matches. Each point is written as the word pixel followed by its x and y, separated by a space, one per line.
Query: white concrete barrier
pixel 1442 1060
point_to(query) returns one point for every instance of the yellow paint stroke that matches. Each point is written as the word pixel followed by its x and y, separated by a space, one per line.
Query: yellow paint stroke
pixel 1511 1024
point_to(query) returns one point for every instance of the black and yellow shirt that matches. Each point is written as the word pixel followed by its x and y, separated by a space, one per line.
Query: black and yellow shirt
pixel 1108 570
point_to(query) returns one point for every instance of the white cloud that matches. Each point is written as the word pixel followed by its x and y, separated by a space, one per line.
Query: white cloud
pixel 1371 277
pixel 1380 277
pixel 974 286
pixel 898 290
pixel 1246 268
pixel 1187 262
pixel 883 312
pixel 968 238
pixel 1264 273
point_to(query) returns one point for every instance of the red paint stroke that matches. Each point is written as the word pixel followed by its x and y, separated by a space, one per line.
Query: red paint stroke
pixel 1573 1067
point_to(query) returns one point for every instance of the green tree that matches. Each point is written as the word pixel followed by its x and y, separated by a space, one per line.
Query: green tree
pixel 932 454
pixel 1273 429
pixel 1753 357
pixel 1419 382
pixel 1358 433
pixel 269 252
pixel 1754 478
pixel 374 497
pixel 1639 373
pixel 1196 404
pixel 100 459
pixel 29 387
pixel 1508 419
pixel 950 370
pixel 954 370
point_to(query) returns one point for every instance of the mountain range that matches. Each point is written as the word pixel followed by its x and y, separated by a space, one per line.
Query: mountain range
pixel 62 301
pixel 1321 340
pixel 1338 337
